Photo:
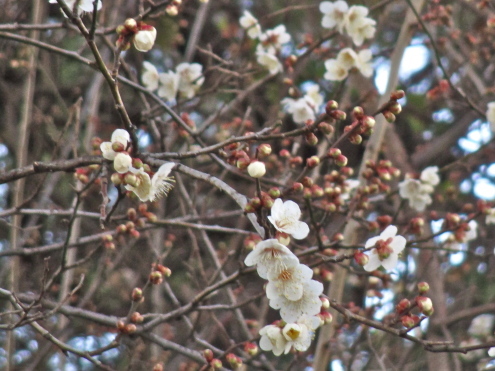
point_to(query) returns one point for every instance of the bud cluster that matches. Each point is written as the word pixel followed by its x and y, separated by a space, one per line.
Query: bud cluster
pixel 256 203
pixel 336 189
pixel 158 271
pixel 393 107
pixel 140 34
pixel 377 174
pixel 423 303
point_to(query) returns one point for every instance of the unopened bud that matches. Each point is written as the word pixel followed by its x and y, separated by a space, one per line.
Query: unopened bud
pixel 297 187
pixel 356 139
pixel 307 182
pixel 274 192
pixel 137 294
pixel 389 116
pixel 395 108
pixel 311 139
pixel 398 94
pixel 312 162
pixel 136 317
pixel 116 179
pixel 326 128
pixel 408 321
pixel 208 354
pixel 334 152
pixel 130 24
pixel 369 121
pixel 331 106
pixel 403 306
pixel 338 115
pixel 425 305
pixel 358 112
pixel 156 278
pixel 361 258
pixel 265 149
pixel 216 364
pixel 423 287
pixel 341 160
pixel 256 169
pixel 251 349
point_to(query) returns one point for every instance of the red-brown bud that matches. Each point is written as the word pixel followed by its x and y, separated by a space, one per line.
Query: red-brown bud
pixel 312 162
pixel 361 258
pixel 423 287
pixel 137 294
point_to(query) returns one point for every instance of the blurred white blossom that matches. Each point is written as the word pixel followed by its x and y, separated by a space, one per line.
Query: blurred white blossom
pixel 251 24
pixel 334 14
pixel 191 78
pixel 150 76
pixel 169 85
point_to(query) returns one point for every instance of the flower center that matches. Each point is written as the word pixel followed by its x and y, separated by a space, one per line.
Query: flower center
pixel 383 248
pixel 285 275
pixel 293 333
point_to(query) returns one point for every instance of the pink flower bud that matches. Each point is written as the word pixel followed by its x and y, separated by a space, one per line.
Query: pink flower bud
pixel 395 108
pixel 361 258
pixel 358 112
pixel 137 294
pixel 389 116
pixel 331 106
pixel 326 128
pixel 312 162
pixel 423 287
pixel 274 192
pixel 297 187
pixel 251 349
pixel 408 321
pixel 338 115
pixel 311 139
pixel 341 160
pixel 334 152
pixel 116 179
pixel 425 305
pixel 398 94
pixel 403 306
pixel 208 354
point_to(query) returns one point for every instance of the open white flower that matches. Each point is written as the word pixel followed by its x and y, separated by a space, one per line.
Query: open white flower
pixel 268 59
pixel 300 334
pixel 363 30
pixel 271 257
pixel 169 85
pixel 482 325
pixel 122 162
pixel 285 218
pixel 150 189
pixel 490 216
pixel 386 249
pixel 308 305
pixel 335 70
pixel 416 192
pixel 145 39
pixel 301 109
pixel 251 24
pixel 314 96
pixel 191 78
pixel 150 76
pixel 334 14
pixel 289 282
pixel 273 339
pixel 430 175
pixel 363 62
pixel 275 37
pixel 84 5
pixel 490 115
pixel 491 352
pixel 119 136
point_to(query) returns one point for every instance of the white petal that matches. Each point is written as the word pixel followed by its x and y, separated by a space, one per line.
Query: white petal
pixel 121 136
pixel 300 231
pixel 390 231
pixel 391 262
pixel 373 263
pixel 398 244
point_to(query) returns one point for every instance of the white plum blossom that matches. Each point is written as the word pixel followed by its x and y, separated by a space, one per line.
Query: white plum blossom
pixel 490 216
pixel 338 69
pixel 285 218
pixel 251 24
pixel 191 78
pixel 300 334
pixel 150 189
pixel 490 115
pixel 150 76
pixel 313 93
pixel 308 305
pixel 275 37
pixel 268 59
pixel 122 162
pixel 83 5
pixel 273 339
pixel 358 25
pixel 363 62
pixel 385 249
pixel 169 85
pixel 482 325
pixel 491 352
pixel 430 175
pixel 335 70
pixel 416 192
pixel 289 282
pixel 271 257
pixel 119 136
pixel 301 109
pixel 144 39
pixel 334 14
pixel 256 169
